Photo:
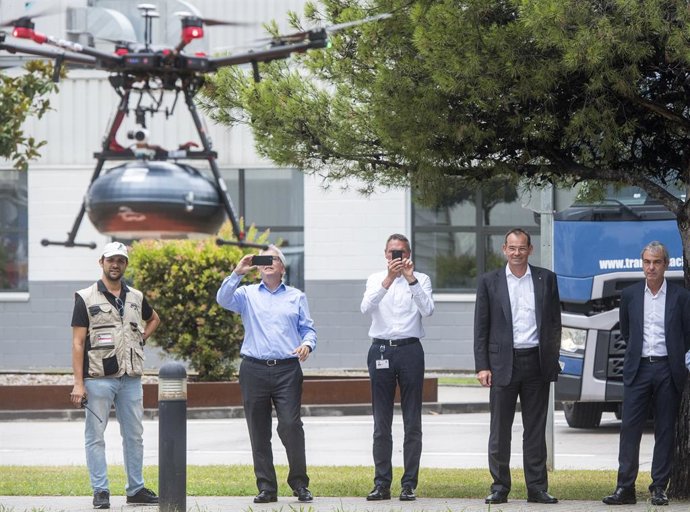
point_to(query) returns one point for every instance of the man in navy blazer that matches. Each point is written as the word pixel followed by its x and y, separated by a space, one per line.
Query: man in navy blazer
pixel 517 339
pixel 655 324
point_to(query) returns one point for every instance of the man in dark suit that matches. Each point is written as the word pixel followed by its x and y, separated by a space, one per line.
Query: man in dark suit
pixel 655 324
pixel 517 338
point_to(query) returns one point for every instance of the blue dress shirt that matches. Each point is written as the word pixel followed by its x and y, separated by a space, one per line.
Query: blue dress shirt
pixel 275 322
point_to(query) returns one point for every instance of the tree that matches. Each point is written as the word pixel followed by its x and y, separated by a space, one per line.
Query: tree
pixel 180 279
pixel 23 96
pixel 448 94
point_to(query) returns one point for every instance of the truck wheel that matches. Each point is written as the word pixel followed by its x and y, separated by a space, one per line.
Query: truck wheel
pixel 582 414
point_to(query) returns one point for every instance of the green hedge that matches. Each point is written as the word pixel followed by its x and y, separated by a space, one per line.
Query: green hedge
pixel 180 279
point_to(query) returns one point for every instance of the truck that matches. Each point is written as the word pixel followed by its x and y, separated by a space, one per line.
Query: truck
pixel 597 253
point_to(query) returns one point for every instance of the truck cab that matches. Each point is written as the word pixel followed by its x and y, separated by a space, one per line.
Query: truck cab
pixel 597 253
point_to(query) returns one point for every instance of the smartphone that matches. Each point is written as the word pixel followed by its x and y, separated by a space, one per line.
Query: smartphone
pixel 262 260
pixel 396 255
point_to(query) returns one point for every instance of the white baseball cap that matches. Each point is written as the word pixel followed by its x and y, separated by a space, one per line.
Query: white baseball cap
pixel 114 249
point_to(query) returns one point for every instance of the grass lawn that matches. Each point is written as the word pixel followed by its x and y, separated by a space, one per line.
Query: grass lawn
pixel 325 481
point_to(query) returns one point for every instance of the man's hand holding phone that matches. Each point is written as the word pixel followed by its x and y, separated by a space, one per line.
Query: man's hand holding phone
pixel 262 260
pixel 244 265
pixel 408 270
pixel 250 261
pixel 395 264
pixel 399 265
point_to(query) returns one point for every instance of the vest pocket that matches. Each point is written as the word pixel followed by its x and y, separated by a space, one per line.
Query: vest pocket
pixel 102 364
pixel 110 366
pixel 138 333
pixel 103 336
pixel 137 357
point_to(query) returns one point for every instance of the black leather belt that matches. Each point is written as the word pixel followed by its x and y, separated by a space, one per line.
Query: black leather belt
pixel 654 359
pixel 396 343
pixel 271 362
pixel 525 351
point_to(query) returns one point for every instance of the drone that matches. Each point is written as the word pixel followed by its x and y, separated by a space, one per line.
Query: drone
pixel 153 190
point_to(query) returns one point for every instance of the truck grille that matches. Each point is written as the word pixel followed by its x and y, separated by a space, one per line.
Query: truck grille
pixel 615 369
pixel 617 344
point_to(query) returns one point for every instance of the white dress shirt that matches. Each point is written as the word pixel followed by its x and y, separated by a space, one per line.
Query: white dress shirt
pixel 397 313
pixel 523 309
pixel 653 334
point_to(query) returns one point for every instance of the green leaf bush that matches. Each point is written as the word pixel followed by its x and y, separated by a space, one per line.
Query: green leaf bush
pixel 21 97
pixel 180 279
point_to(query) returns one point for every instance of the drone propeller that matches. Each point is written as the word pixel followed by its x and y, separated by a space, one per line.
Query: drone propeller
pixel 26 19
pixel 122 46
pixel 193 27
pixel 296 37
pixel 210 22
pixel 120 42
pixel 342 26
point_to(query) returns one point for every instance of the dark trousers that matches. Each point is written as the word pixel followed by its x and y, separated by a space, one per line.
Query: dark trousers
pixel 526 383
pixel 406 369
pixel 279 386
pixel 652 387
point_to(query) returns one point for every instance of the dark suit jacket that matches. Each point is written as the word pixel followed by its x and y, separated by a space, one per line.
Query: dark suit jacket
pixel 493 324
pixel 677 330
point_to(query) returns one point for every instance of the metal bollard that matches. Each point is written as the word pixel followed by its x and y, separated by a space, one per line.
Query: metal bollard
pixel 172 438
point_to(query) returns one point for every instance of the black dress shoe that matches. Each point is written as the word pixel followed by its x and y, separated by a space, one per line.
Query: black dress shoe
pixel 407 494
pixel 303 494
pixel 379 493
pixel 143 496
pixel 541 497
pixel 621 496
pixel 497 497
pixel 265 497
pixel 659 496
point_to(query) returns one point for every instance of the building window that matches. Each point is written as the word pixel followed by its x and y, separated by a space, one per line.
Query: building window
pixel 456 243
pixel 273 199
pixel 14 251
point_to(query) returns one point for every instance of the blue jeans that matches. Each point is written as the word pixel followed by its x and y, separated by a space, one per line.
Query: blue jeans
pixel 128 396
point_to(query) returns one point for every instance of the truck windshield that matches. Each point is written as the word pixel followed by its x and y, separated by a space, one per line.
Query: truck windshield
pixel 630 196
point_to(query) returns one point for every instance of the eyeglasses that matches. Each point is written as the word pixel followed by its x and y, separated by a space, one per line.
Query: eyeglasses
pixel 120 306
pixel 519 250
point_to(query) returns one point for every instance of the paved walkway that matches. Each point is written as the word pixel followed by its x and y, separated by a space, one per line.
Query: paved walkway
pixel 451 400
pixel 244 503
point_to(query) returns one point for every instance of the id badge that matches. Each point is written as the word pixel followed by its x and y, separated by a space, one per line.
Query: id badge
pixel 382 364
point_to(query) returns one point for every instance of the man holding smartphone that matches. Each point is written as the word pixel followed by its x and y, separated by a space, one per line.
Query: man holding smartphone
pixel 397 299
pixel 278 335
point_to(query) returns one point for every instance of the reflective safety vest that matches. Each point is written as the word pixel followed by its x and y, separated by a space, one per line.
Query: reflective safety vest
pixel 115 343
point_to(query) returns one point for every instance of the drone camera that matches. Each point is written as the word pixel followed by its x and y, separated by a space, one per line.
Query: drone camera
pixel 139 135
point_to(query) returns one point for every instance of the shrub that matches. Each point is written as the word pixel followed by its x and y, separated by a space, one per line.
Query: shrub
pixel 180 279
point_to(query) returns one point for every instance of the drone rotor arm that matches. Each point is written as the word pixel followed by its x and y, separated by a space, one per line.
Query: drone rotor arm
pixel 51 54
pixel 278 52
pixel 101 56
pixel 305 34
pixel 240 243
pixel 107 59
